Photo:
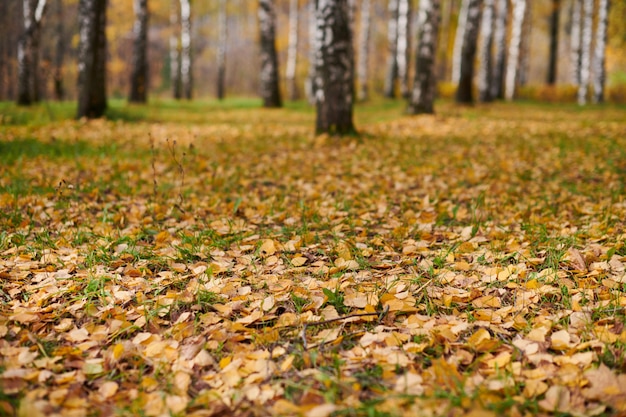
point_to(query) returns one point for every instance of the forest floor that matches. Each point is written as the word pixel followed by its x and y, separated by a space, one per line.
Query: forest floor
pixel 211 259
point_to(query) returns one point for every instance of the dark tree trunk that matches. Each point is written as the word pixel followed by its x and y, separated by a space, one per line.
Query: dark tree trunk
pixel 175 77
pixel 28 53
pixel 59 90
pixel 485 70
pixel 464 92
pixel 425 83
pixel 334 68
pixel 554 41
pixel 309 85
pixel 221 50
pixel 92 100
pixel 139 74
pixel 270 91
pixel 392 61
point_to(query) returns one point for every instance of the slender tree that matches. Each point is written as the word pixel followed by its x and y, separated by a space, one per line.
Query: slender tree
pixel 334 66
pixel 270 91
pixel 139 72
pixel 364 48
pixel 175 75
pixel 186 76
pixel 464 93
pixel 309 84
pixel 599 67
pixel 221 49
pixel 575 41
pixel 499 40
pixel 425 82
pixel 459 37
pixel 554 41
pixel 524 60
pixel 28 53
pixel 446 17
pixel 392 59
pixel 92 101
pixel 59 55
pixel 486 63
pixel 585 56
pixel 403 49
pixel 513 60
pixel 292 51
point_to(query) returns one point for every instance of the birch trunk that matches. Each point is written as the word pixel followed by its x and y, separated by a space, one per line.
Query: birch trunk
pixel 59 90
pixel 28 53
pixel 554 42
pixel 186 76
pixel 404 32
pixel 585 55
pixel 499 39
pixel 139 73
pixel 485 72
pixel 92 100
pixel 513 61
pixel 575 41
pixel 392 60
pixel 309 85
pixel 425 82
pixel 334 68
pixel 458 42
pixel 599 66
pixel 175 50
pixel 292 51
pixel 269 59
pixel 364 49
pixel 464 93
pixel 446 12
pixel 221 50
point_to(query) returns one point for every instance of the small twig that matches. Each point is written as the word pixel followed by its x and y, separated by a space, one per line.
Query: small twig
pixel 380 314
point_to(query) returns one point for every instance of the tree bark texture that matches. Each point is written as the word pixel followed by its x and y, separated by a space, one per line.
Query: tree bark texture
pixel 292 51
pixel 59 53
pixel 186 73
pixel 459 38
pixel 464 93
pixel 575 41
pixel 585 54
pixel 524 65
pixel 485 72
pixel 334 67
pixel 221 49
pixel 92 100
pixel 270 91
pixel 175 49
pixel 392 59
pixel 513 60
pixel 309 85
pixel 446 15
pixel 364 49
pixel 554 42
pixel 139 71
pixel 28 53
pixel 499 40
pixel 404 33
pixel 599 65
pixel 425 81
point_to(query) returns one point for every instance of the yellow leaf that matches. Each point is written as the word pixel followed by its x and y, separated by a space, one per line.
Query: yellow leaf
pixel 108 389
pixel 225 361
pixel 298 261
pixel 268 248
pixel 268 303
pixel 560 340
pixel 480 336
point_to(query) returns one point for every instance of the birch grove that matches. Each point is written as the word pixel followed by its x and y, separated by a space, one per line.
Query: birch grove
pixel 513 59
pixel 185 49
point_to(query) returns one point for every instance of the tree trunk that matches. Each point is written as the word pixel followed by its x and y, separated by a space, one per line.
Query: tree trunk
pixel 513 60
pixel 599 67
pixel 499 39
pixel 175 75
pixel 585 56
pixel 425 82
pixel 292 51
pixel 28 53
pixel 575 41
pixel 92 100
pixel 221 49
pixel 270 91
pixel 464 93
pixel 364 49
pixel 458 42
pixel 392 60
pixel 334 68
pixel 485 73
pixel 309 85
pixel 446 12
pixel 59 90
pixel 186 74
pixel 139 72
pixel 404 33
pixel 554 41
pixel 524 64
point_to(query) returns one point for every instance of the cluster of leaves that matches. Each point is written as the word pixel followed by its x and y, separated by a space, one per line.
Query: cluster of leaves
pixel 471 262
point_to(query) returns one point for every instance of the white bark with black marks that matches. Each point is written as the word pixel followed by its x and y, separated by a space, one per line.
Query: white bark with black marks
pixel 599 65
pixel 500 49
pixel 364 49
pixel 270 92
pixel 585 53
pixel 459 37
pixel 186 76
pixel 139 71
pixel 403 55
pixel 575 41
pixel 513 60
pixel 486 63
pixel 292 51
pixel 464 91
pixel 28 53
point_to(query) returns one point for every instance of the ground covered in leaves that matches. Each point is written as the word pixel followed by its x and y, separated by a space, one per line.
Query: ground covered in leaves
pixel 213 262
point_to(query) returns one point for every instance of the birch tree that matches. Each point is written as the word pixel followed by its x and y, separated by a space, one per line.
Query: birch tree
pixel 554 41
pixel 575 41
pixel 486 43
pixel 221 49
pixel 185 49
pixel 364 48
pixel 464 93
pixel 59 53
pixel 334 68
pixel 392 52
pixel 499 39
pixel 92 101
pixel 446 17
pixel 269 59
pixel 309 85
pixel 292 51
pixel 139 72
pixel 599 66
pixel 28 53
pixel 513 60
pixel 175 76
pixel 403 48
pixel 458 42
pixel 425 82
pixel 585 53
